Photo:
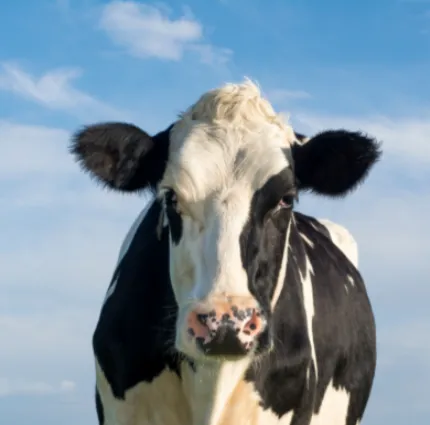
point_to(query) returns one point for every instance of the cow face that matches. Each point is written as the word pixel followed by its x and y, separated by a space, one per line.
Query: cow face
pixel 227 174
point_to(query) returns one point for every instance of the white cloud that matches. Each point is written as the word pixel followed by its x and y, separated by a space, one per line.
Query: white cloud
pixel 54 90
pixel 33 150
pixel 147 31
pixel 22 387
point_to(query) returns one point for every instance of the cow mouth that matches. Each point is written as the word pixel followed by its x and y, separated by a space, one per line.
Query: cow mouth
pixel 225 346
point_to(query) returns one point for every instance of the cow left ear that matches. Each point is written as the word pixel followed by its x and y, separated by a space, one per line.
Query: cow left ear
pixel 121 156
pixel 334 162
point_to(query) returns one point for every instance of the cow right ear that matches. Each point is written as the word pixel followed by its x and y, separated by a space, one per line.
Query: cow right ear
pixel 121 156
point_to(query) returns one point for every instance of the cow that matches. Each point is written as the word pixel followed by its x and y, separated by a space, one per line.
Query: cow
pixel 228 306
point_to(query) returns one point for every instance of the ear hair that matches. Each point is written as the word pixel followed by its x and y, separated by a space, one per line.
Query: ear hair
pixel 334 162
pixel 121 156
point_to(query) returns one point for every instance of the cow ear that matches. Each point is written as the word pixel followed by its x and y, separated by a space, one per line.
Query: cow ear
pixel 301 137
pixel 334 162
pixel 121 156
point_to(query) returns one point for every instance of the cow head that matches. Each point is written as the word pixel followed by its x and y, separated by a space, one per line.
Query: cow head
pixel 227 174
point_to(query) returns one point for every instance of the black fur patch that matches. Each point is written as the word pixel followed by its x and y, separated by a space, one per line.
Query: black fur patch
pixel 334 162
pixel 343 333
pixel 344 325
pixel 121 156
pixel 133 340
pixel 99 409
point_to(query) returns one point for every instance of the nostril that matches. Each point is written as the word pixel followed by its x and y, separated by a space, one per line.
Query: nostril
pixel 202 318
pixel 254 324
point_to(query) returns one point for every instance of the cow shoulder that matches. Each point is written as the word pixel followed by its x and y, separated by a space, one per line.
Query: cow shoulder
pixel 137 321
pixel 339 235
pixel 285 378
pixel 344 329
pixel 342 238
pixel 324 349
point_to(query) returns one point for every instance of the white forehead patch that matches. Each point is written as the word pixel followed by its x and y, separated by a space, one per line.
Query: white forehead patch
pixel 231 134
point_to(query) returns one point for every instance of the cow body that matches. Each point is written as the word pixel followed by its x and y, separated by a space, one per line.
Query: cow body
pixel 142 381
pixel 226 305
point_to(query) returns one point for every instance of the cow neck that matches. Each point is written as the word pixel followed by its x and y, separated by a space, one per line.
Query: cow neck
pixel 209 386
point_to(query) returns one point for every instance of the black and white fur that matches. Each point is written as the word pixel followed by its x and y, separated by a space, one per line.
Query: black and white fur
pixel 227 175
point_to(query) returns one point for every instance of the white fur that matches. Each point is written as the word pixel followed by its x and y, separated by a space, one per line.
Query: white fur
pixel 215 394
pixel 307 240
pixel 160 402
pixel 308 298
pixel 223 148
pixel 343 239
pixel 334 407
pixel 281 276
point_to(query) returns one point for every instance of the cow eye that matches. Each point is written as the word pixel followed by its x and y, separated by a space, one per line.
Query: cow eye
pixel 287 201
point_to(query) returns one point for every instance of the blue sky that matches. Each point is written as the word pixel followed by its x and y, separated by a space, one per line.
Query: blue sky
pixel 359 65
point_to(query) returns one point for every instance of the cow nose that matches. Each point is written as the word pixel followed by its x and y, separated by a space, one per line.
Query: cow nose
pixel 226 329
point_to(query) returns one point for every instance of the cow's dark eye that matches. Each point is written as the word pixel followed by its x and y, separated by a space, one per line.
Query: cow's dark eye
pixel 287 201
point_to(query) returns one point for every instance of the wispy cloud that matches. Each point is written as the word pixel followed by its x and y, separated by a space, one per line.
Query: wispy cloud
pixel 10 387
pixel 29 150
pixel 54 90
pixel 147 31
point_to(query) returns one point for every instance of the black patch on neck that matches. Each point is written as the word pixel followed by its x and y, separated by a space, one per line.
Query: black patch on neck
pixel 280 376
pixel 343 332
pixel 134 337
